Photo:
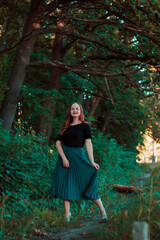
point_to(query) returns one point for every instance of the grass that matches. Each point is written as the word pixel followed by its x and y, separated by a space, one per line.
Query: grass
pixel 45 216
pixel 144 206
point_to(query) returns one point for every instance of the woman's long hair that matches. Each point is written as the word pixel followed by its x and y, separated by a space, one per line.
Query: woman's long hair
pixel 69 119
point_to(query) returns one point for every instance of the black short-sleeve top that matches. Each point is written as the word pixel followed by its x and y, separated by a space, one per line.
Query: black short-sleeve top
pixel 75 135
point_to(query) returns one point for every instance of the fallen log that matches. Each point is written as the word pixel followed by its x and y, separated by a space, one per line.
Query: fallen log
pixel 124 188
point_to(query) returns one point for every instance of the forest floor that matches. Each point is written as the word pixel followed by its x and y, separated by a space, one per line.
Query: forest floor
pixel 74 232
pixel 85 228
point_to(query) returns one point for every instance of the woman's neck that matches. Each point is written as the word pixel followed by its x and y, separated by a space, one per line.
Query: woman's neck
pixel 76 121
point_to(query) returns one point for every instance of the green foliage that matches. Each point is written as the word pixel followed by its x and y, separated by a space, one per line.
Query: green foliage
pixel 26 167
pixel 143 206
pixel 117 160
pixel 26 172
pixel 31 104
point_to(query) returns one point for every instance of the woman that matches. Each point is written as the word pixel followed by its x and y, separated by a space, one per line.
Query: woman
pixel 74 177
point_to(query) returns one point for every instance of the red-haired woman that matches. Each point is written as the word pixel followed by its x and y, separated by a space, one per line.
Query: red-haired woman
pixel 74 177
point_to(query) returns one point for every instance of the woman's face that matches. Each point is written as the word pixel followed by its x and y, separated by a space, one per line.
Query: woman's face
pixel 75 110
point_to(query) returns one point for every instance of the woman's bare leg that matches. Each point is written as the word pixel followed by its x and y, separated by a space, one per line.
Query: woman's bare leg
pixel 67 204
pixel 99 204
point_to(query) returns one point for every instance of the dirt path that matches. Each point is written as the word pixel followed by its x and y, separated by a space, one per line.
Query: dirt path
pixel 81 231
pixel 75 233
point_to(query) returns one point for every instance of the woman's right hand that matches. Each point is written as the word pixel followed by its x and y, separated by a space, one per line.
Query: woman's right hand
pixel 61 153
pixel 66 163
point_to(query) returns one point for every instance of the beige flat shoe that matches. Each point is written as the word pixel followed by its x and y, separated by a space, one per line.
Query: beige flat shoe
pixel 104 215
pixel 68 216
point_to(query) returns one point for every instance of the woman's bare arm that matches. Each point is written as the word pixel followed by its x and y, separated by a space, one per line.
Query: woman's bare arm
pixel 89 149
pixel 61 153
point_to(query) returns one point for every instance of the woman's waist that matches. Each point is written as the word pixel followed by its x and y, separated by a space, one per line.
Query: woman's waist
pixel 71 146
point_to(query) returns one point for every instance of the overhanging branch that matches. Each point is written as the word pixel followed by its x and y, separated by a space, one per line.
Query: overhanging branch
pixel 81 69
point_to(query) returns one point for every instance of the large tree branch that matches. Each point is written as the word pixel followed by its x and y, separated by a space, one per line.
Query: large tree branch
pixel 83 37
pixel 68 33
pixel 112 57
pixel 78 36
pixel 91 71
pixel 131 27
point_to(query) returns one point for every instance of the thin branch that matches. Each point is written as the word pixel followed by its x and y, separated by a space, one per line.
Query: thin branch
pixel 25 38
pixel 82 90
pixel 68 45
pixel 48 8
pixel 142 9
pixel 111 57
pixel 152 86
pixel 105 79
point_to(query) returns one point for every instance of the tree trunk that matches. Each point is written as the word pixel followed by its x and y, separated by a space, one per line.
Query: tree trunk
pixel 80 98
pixel 46 124
pixel 94 105
pixel 87 103
pixel 9 105
pixel 58 54
pixel 107 121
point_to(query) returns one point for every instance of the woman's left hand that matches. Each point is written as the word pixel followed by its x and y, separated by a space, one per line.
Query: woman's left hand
pixel 96 165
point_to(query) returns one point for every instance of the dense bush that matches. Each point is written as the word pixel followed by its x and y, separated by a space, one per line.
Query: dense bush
pixel 116 162
pixel 26 167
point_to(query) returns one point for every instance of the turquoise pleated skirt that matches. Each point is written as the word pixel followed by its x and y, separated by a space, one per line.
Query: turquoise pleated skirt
pixel 79 182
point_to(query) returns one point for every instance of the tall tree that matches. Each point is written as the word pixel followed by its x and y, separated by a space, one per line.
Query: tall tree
pixel 33 23
pixel 58 53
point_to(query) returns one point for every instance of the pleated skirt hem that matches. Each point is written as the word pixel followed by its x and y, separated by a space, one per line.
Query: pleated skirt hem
pixel 79 182
pixel 75 199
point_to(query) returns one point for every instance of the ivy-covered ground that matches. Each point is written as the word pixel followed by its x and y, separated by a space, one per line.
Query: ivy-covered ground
pixel 29 212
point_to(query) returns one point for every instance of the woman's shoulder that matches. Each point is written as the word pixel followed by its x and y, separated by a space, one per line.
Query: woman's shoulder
pixel 86 125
